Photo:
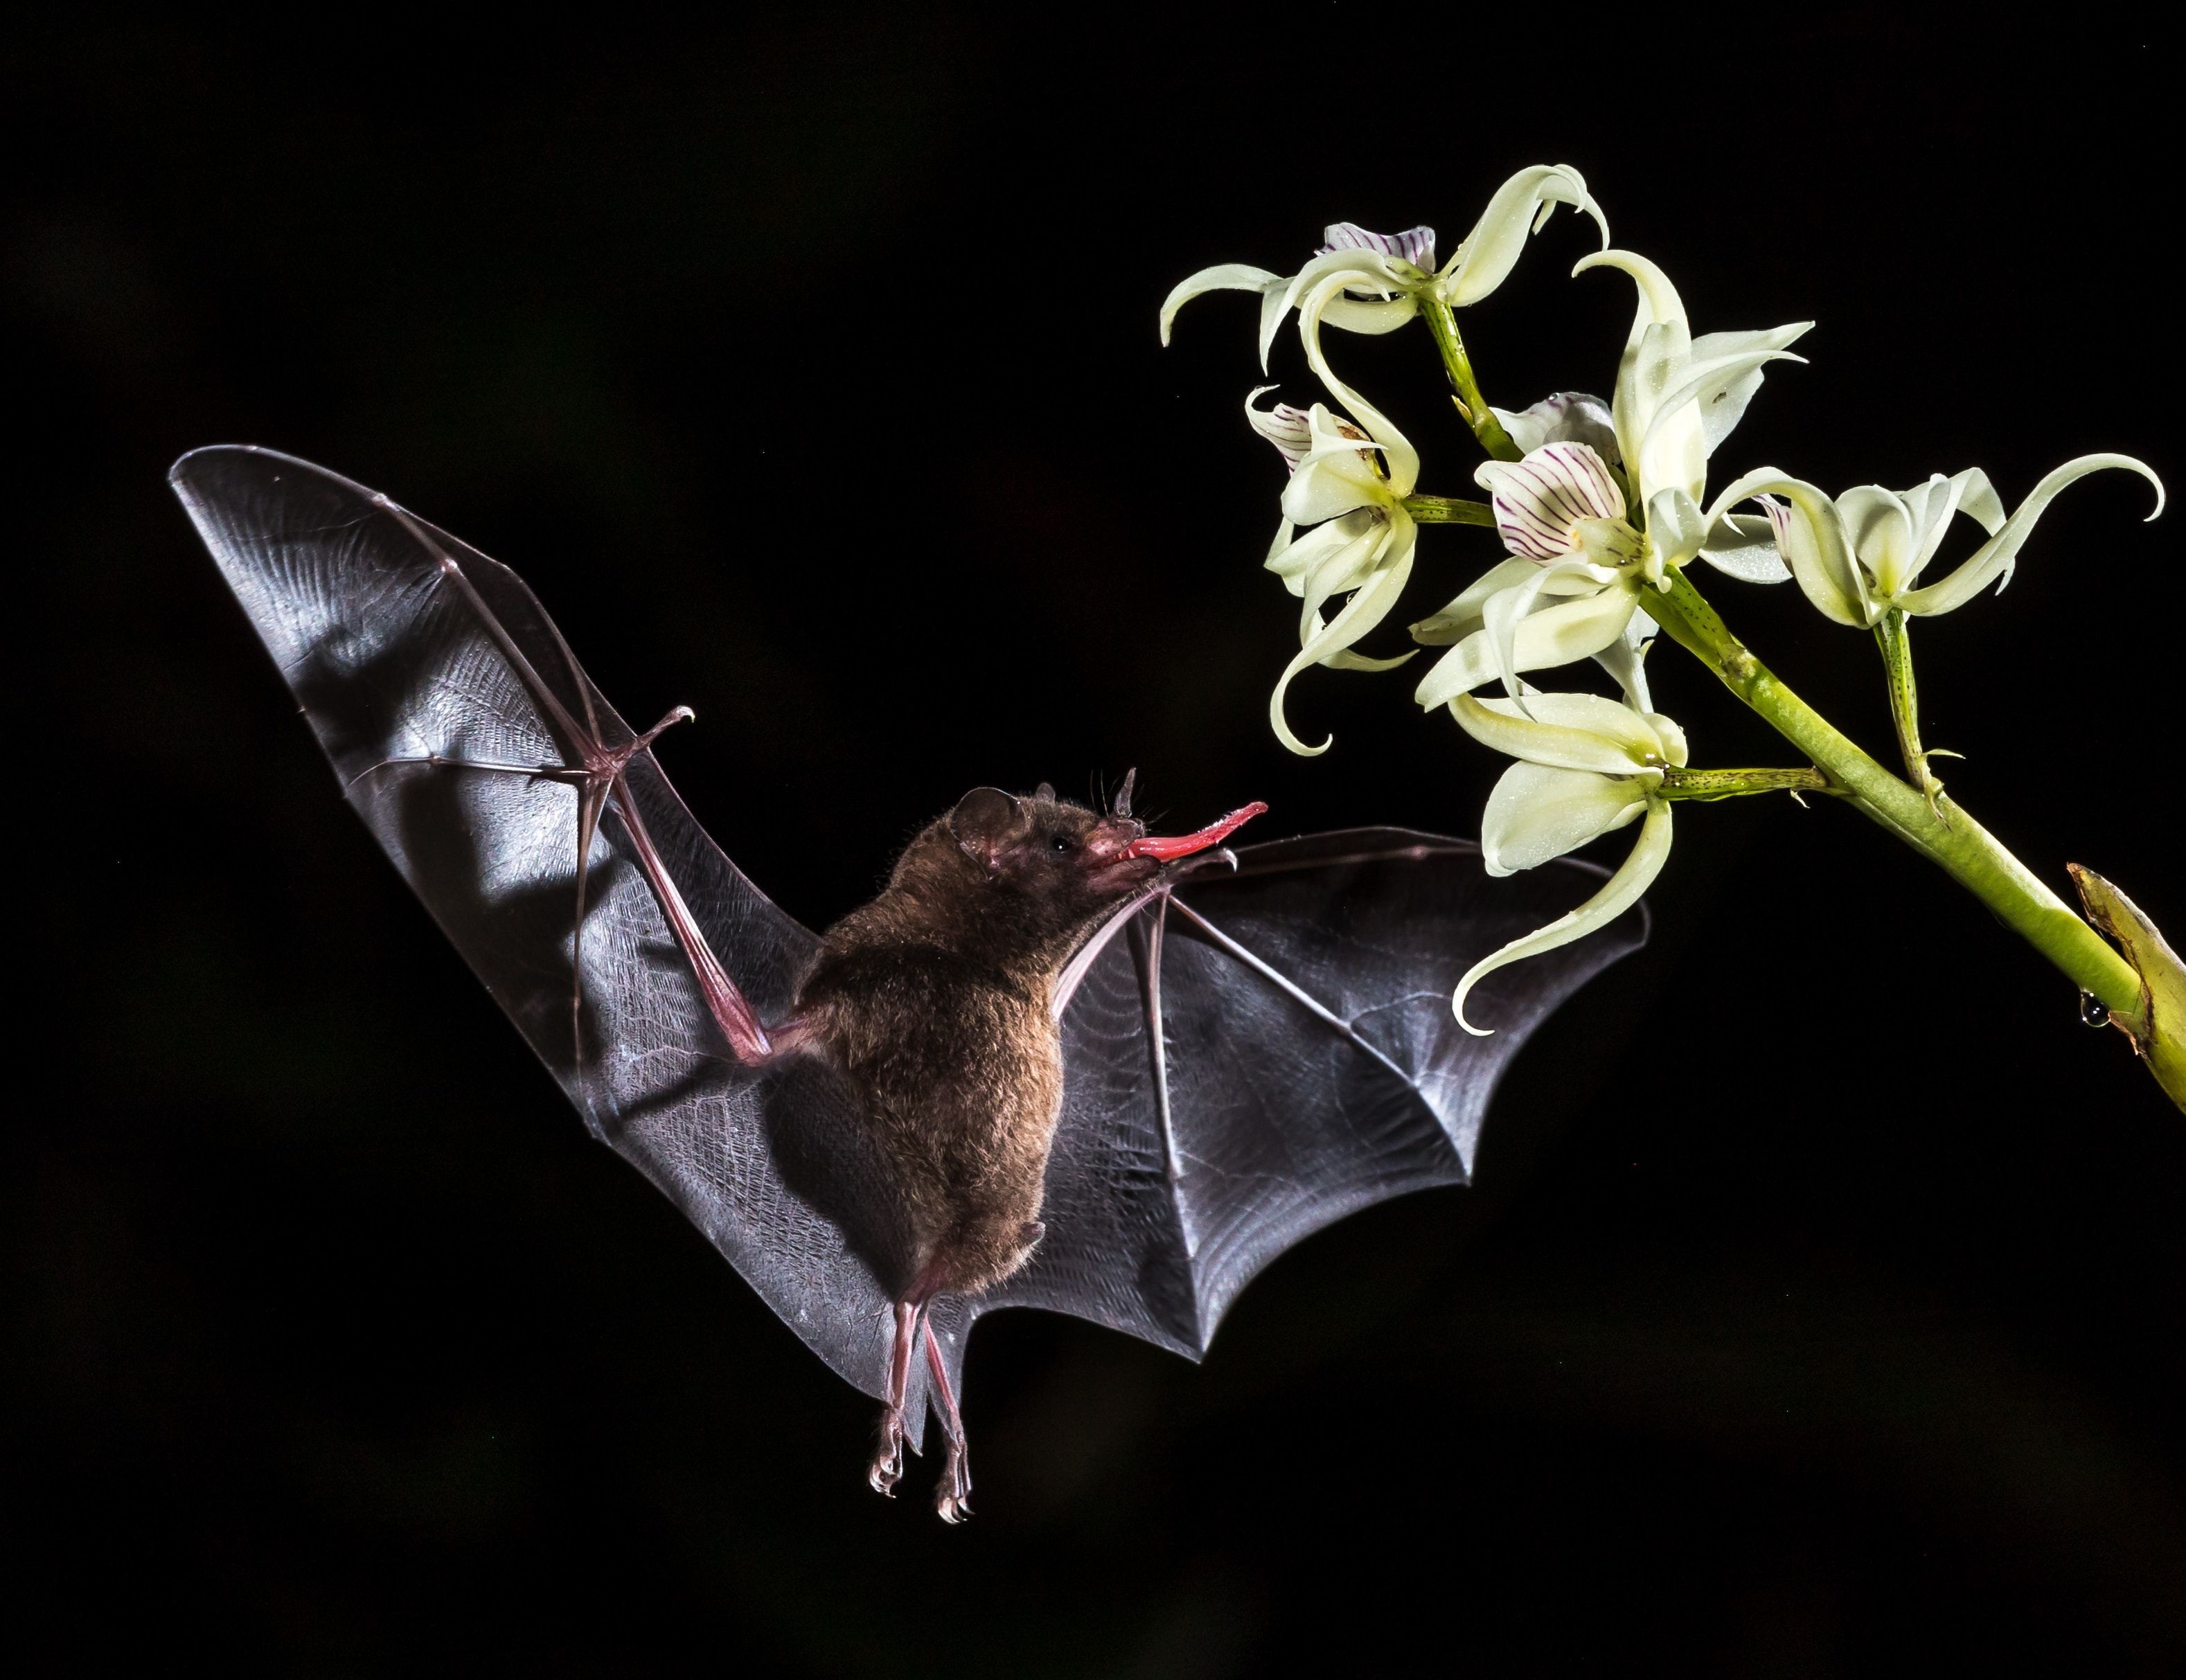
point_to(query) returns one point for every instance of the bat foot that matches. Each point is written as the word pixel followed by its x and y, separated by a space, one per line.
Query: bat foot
pixel 952 1498
pixel 887 1461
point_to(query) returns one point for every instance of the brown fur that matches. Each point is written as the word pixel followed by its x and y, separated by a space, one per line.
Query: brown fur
pixel 934 1000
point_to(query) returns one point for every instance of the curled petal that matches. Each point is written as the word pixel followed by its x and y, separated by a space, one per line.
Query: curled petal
pixel 1398 454
pixel 1566 731
pixel 1810 536
pixel 1521 206
pixel 1223 277
pixel 1357 615
pixel 1996 559
pixel 1554 636
pixel 1618 895
pixel 1931 506
pixel 1540 501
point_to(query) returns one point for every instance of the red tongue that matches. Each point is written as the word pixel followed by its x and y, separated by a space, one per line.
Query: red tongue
pixel 1183 845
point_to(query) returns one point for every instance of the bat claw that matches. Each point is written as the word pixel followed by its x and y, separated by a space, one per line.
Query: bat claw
pixel 888 1462
pixel 952 1498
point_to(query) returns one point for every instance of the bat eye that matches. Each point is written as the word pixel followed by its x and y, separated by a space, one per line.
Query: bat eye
pixel 1059 844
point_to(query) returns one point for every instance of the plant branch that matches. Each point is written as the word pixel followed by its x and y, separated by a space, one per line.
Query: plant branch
pixel 1730 784
pixel 1442 322
pixel 1449 510
pixel 1947 836
pixel 1891 637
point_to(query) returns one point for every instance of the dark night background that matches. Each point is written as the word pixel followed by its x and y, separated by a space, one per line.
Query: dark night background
pixel 1818 1311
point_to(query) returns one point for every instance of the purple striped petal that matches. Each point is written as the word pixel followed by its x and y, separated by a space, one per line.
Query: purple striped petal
pixel 1289 429
pixel 1415 245
pixel 1539 502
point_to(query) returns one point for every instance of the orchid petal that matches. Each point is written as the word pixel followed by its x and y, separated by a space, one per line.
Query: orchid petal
pixel 1502 615
pixel 1626 659
pixel 1675 527
pixel 1566 731
pixel 1223 277
pixel 1345 567
pixel 1554 636
pixel 1538 813
pixel 1721 412
pixel 1810 536
pixel 1289 429
pixel 1672 737
pixel 1997 557
pixel 1674 450
pixel 1360 614
pixel 1521 205
pixel 1744 546
pixel 1294 562
pixel 1348 661
pixel 1402 460
pixel 1931 506
pixel 1568 416
pixel 1619 895
pixel 1339 472
pixel 1414 245
pixel 1462 616
pixel 1539 502
pixel 1880 531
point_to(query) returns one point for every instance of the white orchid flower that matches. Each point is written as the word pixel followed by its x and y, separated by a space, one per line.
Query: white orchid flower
pixel 1565 507
pixel 1349 486
pixel 1862 555
pixel 1586 766
pixel 1372 283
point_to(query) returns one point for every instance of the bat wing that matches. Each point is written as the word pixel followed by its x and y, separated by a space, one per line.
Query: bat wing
pixel 456 719
pixel 1249 1056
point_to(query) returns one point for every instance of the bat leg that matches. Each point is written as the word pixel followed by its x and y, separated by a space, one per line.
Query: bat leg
pixel 952 1498
pixel 888 1459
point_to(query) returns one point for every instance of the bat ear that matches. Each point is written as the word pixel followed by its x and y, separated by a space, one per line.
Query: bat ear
pixel 1044 791
pixel 985 820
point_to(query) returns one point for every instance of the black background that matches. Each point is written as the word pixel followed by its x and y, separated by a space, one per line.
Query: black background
pixel 1818 1309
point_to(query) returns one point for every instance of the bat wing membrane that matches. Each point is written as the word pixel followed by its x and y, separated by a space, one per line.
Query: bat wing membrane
pixel 405 645
pixel 1252 1055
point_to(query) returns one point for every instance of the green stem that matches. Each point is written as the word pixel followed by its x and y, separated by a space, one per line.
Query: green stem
pixel 1449 510
pixel 1890 635
pixel 1442 322
pixel 1947 836
pixel 1730 784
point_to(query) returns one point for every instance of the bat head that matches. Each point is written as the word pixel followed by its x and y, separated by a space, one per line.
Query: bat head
pixel 1069 858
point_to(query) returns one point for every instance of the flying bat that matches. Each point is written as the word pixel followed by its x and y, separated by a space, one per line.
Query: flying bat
pixel 1058 1062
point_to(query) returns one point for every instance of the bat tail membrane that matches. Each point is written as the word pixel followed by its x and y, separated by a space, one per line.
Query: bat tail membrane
pixel 1252 1054
pixel 459 723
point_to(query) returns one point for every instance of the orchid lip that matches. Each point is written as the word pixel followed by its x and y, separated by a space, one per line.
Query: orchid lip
pixel 1165 848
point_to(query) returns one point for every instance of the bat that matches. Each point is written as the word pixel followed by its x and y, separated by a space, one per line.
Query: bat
pixel 1058 1062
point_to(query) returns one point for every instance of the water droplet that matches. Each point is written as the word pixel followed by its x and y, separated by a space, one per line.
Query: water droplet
pixel 2094 1011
